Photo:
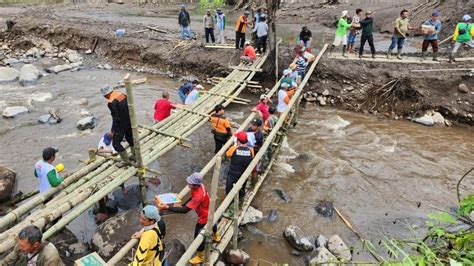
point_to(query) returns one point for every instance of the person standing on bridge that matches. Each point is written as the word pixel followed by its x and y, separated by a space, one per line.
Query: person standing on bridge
pixel 209 26
pixel 184 21
pixel 462 35
pixel 401 27
pixel 431 38
pixel 46 172
pixel 220 23
pixel 354 30
pixel 262 107
pixel 121 125
pixel 220 127
pixel 199 202
pixel 242 23
pixel 367 25
pixel 32 250
pixel 341 33
pixel 151 249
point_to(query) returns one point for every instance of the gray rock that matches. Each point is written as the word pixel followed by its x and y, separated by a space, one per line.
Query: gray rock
pixel 339 248
pixel 321 100
pixel 29 75
pixel 189 78
pixel 41 96
pixel 438 119
pixel 13 111
pixel 324 257
pixel 59 68
pixel 127 201
pixel 113 233
pixel 463 88
pixel 282 194
pixel 295 252
pixel 50 119
pixel 8 74
pixel 325 92
pixel 321 241
pixel 176 249
pixel 83 101
pixel 471 216
pixel 7 183
pixel 236 257
pixel 252 216
pixel 349 88
pixel 34 52
pixel 295 236
pixel 88 51
pixel 325 208
pixel 10 61
pixel 426 120
pixel 73 56
pixel 107 67
pixel 78 248
pixel 87 123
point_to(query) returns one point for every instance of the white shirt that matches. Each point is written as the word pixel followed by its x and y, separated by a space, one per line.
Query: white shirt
pixel 261 28
pixel 105 147
pixel 192 97
pixel 281 107
pixel 32 258
pixel 42 169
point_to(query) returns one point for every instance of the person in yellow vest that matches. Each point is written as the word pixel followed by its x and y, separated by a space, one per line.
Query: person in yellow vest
pixel 242 23
pixel 150 249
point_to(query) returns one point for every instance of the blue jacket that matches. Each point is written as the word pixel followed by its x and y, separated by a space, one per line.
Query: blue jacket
pixel 437 25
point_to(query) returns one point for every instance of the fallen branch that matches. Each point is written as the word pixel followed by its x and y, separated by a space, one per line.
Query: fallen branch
pixel 156 29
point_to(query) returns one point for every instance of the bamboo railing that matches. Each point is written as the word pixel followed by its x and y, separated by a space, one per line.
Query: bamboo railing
pixel 88 185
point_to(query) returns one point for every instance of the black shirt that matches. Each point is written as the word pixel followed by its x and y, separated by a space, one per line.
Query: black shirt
pixel 305 35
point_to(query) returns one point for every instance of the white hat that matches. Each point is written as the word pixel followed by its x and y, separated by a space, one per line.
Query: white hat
pixel 344 13
pixel 466 18
pixel 263 96
pixel 199 86
pixel 248 42
pixel 286 72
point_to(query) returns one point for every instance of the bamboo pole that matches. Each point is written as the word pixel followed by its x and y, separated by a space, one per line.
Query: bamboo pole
pixel 163 133
pixel 136 139
pixel 212 206
pixel 235 239
pixel 237 186
pixel 231 97
pixel 247 69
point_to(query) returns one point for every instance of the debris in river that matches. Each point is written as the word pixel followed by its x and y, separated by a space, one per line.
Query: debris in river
pixel 272 216
pixel 295 236
pixel 87 123
pixel 325 208
pixel 252 216
pixel 282 195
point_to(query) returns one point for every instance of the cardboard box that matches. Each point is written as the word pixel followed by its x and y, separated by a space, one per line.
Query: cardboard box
pixel 170 199
pixel 427 29
pixel 92 259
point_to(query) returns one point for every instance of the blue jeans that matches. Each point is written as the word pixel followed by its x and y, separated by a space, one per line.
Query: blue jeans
pixel 398 42
pixel 182 96
pixel 186 33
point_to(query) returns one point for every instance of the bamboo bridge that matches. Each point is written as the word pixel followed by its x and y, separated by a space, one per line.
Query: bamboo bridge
pixel 100 176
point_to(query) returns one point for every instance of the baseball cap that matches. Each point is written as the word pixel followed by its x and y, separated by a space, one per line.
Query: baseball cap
pixel 263 96
pixel 106 90
pixel 248 42
pixel 194 179
pixel 49 152
pixel 199 86
pixel 435 14
pixel 344 13
pixel 151 212
pixel 107 139
pixel 241 137
pixel 257 122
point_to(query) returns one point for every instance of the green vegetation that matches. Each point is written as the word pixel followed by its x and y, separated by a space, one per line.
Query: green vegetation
pixel 445 242
pixel 207 4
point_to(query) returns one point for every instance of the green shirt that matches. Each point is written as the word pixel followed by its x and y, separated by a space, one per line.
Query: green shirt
pixel 402 25
pixel 342 27
pixel 462 38
pixel 53 178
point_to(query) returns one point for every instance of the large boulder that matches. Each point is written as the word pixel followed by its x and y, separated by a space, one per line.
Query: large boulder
pixel 295 236
pixel 252 216
pixel 13 111
pixel 438 119
pixel 7 183
pixel 323 258
pixel 29 75
pixel 463 88
pixel 176 249
pixel 73 56
pixel 87 123
pixel 8 74
pixel 115 232
pixel 339 248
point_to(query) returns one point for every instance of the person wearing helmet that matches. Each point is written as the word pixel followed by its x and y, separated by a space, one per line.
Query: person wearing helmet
pixel 341 33
pixel 242 23
pixel 401 27
pixel 199 202
pixel 462 35
pixel 121 125
pixel 151 248
pixel 249 55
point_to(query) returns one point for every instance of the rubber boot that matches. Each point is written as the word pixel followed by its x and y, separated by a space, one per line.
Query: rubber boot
pixel 331 49
pixel 423 56
pixel 217 237
pixel 435 56
pixel 451 58
pixel 198 259
pixel 344 51
pixel 373 56
pixel 125 160
pixel 229 213
pixel 399 54
pixel 389 53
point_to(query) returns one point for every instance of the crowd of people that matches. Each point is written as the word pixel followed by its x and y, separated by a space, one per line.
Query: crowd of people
pixel 348 28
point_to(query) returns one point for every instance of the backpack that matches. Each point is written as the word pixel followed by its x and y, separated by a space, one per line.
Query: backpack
pixel 465 30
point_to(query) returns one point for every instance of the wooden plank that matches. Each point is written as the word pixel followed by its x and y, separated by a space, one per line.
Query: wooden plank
pixel 247 69
pixel 219 46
